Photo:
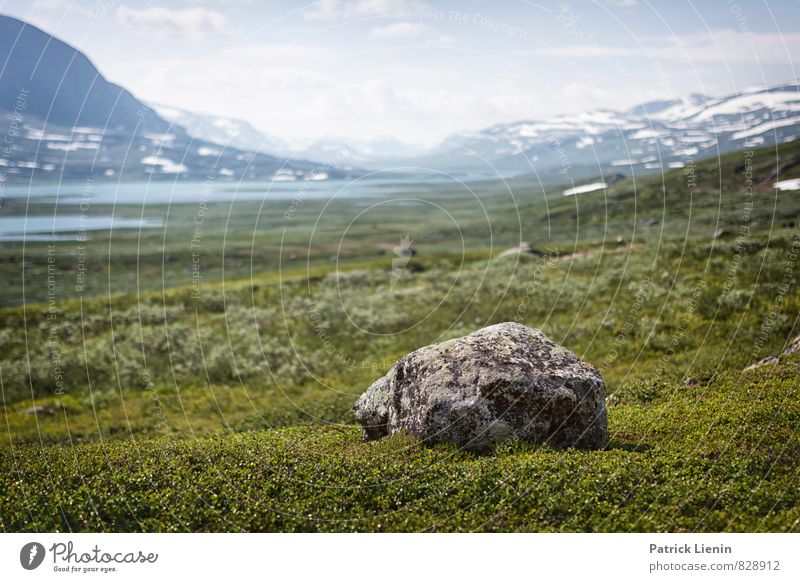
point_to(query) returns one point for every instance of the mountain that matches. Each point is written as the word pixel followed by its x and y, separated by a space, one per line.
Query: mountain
pixel 652 136
pixel 61 84
pixel 376 153
pixel 62 120
pixel 227 131
pixel 332 150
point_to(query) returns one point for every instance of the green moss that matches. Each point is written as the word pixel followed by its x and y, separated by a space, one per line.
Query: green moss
pixel 717 456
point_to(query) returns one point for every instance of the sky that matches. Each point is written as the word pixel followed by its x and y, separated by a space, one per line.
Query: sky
pixel 418 71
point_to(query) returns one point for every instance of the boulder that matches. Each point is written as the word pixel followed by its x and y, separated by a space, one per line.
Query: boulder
pixel 503 382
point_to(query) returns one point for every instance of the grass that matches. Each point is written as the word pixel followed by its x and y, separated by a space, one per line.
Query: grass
pixel 717 456
pixel 227 406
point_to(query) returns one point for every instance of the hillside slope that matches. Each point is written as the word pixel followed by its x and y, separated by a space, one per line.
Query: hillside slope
pixel 651 137
pixel 64 121
pixel 227 406
pixel 62 86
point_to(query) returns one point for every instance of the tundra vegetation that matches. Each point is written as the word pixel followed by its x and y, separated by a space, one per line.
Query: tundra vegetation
pixel 176 379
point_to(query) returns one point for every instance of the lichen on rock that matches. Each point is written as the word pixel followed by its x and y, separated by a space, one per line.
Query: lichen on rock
pixel 503 382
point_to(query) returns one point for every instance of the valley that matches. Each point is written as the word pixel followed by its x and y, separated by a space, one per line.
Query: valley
pixel 147 377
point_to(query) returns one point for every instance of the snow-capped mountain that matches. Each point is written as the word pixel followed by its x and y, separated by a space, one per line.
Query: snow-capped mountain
pixel 68 122
pixel 239 133
pixel 44 151
pixel 63 120
pixel 228 131
pixel 371 153
pixel 652 136
pixel 660 134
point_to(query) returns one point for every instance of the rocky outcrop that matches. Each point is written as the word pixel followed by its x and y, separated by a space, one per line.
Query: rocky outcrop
pixel 791 348
pixel 503 382
pixel 768 361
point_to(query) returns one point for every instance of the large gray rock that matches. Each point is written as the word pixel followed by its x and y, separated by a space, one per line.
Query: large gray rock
pixel 507 381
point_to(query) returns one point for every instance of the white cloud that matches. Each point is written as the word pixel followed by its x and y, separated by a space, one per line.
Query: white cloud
pixel 48 14
pixel 580 51
pixel 398 30
pixel 191 22
pixel 722 45
pixel 580 96
pixel 304 100
pixel 281 52
pixel 53 4
pixel 444 40
pixel 333 10
pixel 733 46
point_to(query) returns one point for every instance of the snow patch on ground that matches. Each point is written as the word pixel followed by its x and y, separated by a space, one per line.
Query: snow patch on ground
pixel 787 184
pixel 585 188
pixel 776 100
pixel 648 134
pixel 166 165
pixel 765 127
pixel 73 146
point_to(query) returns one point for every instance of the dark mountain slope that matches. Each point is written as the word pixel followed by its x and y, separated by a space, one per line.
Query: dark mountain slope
pixel 62 86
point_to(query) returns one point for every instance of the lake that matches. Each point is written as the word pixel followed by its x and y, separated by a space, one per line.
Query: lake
pixel 16 226
pixel 186 192
pixel 52 228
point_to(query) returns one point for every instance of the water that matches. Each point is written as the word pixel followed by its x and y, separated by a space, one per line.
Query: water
pixel 81 196
pixel 144 193
pixel 52 228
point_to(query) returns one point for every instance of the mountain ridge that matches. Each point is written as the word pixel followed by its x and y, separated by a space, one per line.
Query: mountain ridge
pixel 64 86
pixel 63 120
pixel 70 122
pixel 656 135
